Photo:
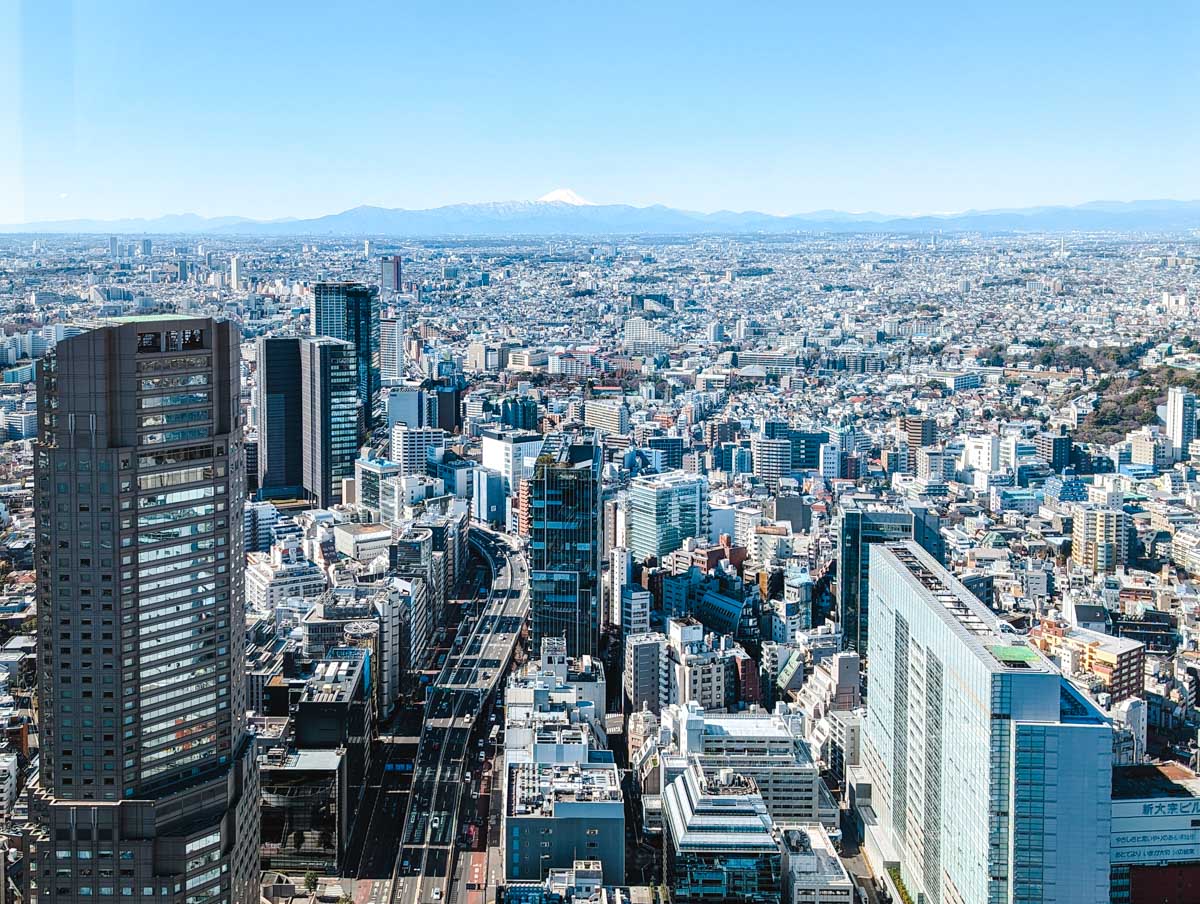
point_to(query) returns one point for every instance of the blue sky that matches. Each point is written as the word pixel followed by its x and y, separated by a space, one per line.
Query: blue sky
pixel 115 108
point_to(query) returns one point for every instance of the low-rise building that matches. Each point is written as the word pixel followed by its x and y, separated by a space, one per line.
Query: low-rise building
pixel 1117 664
pixel 812 871
pixel 718 840
pixel 1155 850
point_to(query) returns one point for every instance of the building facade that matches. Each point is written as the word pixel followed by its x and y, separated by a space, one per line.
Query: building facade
pixel 564 542
pixel 989 775
pixel 329 417
pixel 350 311
pixel 147 789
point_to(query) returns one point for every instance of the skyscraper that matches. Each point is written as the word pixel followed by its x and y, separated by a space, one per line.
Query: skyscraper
pixel 564 548
pixel 307 402
pixel 666 509
pixel 391 273
pixel 860 522
pixel 1054 449
pixel 329 420
pixel 391 351
pixel 1181 421
pixel 987 775
pixel 350 311
pixel 278 400
pixel 148 788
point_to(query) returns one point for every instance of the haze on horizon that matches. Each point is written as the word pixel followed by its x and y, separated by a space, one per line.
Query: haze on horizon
pixel 137 109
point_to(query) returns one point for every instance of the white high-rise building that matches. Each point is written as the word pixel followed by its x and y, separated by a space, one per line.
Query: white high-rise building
pixel 235 273
pixel 982 453
pixel 391 351
pixel 620 573
pixel 1181 420
pixel 986 775
pixel 641 333
pixel 411 447
pixel 635 610
pixel 772 459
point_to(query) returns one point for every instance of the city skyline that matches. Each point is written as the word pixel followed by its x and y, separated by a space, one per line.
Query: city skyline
pixel 902 111
pixel 664 453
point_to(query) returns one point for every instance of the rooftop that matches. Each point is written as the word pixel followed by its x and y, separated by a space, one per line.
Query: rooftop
pixel 333 681
pixel 978 626
pixel 310 760
pixel 536 788
pixel 1155 780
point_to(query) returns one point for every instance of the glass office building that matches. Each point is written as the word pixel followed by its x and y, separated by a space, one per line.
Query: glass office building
pixel 564 542
pixel 989 775
pixel 665 510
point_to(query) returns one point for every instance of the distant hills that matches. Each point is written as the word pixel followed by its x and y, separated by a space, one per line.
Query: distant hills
pixel 574 216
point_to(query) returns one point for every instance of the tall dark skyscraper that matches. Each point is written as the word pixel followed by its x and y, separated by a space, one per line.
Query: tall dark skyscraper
pixel 859 523
pixel 148 788
pixel 278 400
pixel 329 424
pixel 564 547
pixel 350 311
pixel 307 410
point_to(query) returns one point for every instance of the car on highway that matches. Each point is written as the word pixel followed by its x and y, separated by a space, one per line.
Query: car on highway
pixel 436 823
pixel 437 894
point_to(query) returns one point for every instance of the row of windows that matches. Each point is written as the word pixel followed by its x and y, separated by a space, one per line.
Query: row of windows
pixel 173 362
pixel 149 519
pixel 174 436
pixel 179 549
pixel 174 417
pixel 176 497
pixel 154 614
pixel 181 705
pixel 167 732
pixel 149 384
pixel 177 677
pixel 174 533
pixel 179 456
pixel 176 576
pixel 189 619
pixel 176 477
pixel 179 762
pixel 171 567
pixel 147 672
pixel 196 647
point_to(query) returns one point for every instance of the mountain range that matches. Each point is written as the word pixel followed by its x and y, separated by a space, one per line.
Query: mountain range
pixel 562 212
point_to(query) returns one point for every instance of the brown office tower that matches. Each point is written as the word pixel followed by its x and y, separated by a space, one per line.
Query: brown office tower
pixel 147 789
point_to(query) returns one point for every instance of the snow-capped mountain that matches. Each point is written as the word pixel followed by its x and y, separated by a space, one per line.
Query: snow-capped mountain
pixel 564 196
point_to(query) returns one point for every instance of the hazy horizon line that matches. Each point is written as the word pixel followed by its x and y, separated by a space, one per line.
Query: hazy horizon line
pixel 880 215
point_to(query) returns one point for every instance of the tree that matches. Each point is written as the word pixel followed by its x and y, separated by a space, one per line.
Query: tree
pixel 310 881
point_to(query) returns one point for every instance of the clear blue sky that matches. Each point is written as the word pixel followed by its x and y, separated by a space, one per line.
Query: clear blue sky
pixel 114 108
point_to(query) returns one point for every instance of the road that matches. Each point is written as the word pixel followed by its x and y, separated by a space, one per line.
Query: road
pixel 471 675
